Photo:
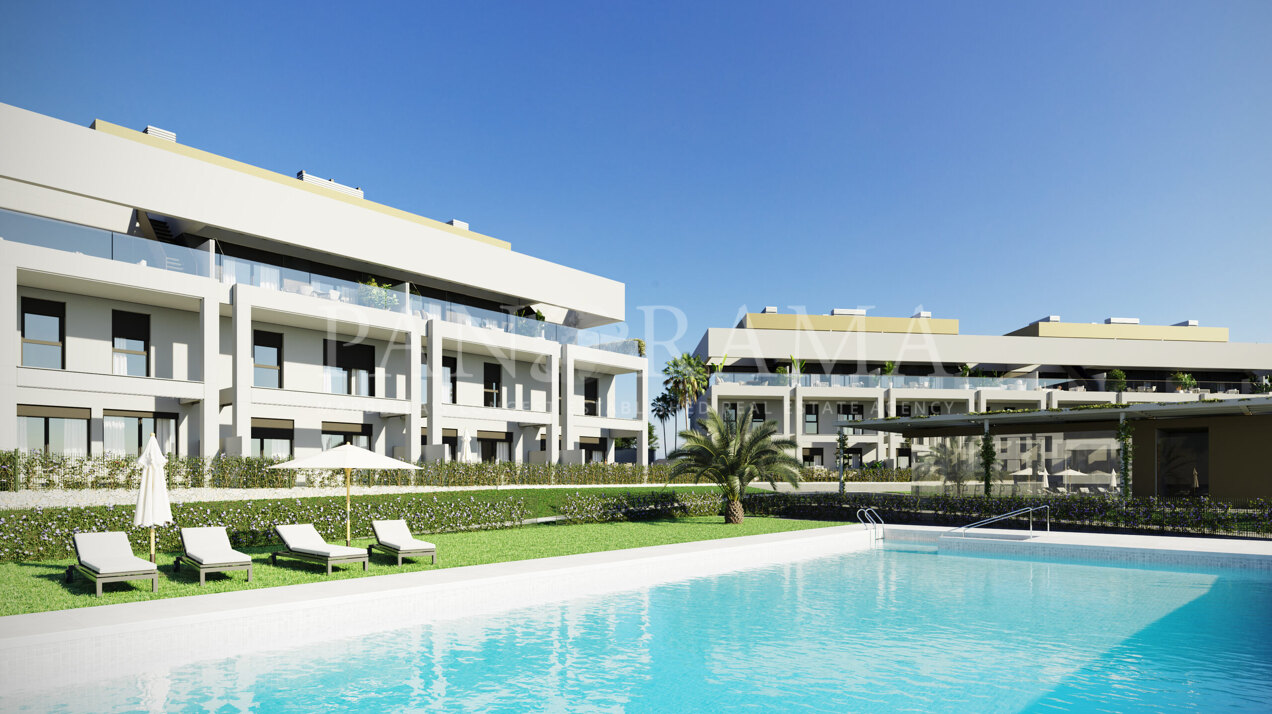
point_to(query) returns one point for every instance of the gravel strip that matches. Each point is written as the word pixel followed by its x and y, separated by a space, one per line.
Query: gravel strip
pixel 117 497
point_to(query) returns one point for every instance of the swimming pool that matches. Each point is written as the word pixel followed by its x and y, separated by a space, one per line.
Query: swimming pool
pixel 893 629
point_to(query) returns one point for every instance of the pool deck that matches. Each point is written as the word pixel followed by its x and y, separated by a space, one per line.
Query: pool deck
pixel 52 649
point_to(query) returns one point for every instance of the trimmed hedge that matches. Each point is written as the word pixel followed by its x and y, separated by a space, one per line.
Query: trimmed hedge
pixel 1176 515
pixel 874 475
pixel 628 506
pixel 42 533
pixel 54 471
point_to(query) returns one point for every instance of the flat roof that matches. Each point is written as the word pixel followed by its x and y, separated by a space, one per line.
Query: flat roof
pixel 1092 417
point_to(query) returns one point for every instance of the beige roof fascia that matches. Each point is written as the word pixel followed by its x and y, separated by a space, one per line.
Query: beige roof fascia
pixel 217 160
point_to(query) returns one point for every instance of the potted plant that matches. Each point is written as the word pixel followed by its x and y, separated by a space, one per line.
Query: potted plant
pixel 1116 381
pixel 1184 382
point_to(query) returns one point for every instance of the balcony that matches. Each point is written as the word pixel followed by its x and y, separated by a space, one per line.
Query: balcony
pixel 886 381
pixel 98 243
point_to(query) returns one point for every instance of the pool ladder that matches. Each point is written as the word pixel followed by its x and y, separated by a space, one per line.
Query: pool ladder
pixel 873 522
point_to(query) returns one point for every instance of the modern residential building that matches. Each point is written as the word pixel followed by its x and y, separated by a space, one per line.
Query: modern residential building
pixel 148 286
pixel 816 374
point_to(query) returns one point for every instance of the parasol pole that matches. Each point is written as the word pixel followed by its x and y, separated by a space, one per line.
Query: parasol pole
pixel 152 528
pixel 348 540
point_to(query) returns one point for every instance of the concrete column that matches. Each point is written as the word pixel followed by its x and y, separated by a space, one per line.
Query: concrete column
pixel 210 407
pixel 241 322
pixel 415 376
pixel 609 450
pixel 553 431
pixel 96 430
pixel 1052 399
pixel 568 436
pixel 785 421
pixel 642 446
pixel 642 415
pixel 797 412
pixel 436 386
pixel 518 444
pixel 981 400
pixel 10 356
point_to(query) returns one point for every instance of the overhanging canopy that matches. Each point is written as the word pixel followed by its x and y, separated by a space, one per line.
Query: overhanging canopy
pixel 1104 417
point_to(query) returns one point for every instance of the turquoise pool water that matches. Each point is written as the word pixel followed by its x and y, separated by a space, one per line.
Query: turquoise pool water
pixel 884 630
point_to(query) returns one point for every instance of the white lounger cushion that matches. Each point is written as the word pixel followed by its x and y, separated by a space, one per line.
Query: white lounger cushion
pixel 396 535
pixel 211 546
pixel 304 538
pixel 108 553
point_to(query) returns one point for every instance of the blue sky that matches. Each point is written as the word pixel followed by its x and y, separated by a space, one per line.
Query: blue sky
pixel 993 162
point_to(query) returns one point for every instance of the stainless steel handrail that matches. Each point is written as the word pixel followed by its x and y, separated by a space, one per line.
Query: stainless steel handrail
pixel 962 530
pixel 870 518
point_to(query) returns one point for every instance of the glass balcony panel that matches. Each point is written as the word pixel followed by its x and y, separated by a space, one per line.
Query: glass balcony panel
pixel 59 235
pixel 176 258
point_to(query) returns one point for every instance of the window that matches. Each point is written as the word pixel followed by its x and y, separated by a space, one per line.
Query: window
pixel 903 457
pixel 272 443
pixel 810 418
pixel 43 333
pixel 905 410
pixel 492 385
pixel 813 457
pixel 126 433
pixel 729 410
pixel 494 446
pixel 934 410
pixel 131 331
pixel 757 414
pixel 336 434
pixel 854 457
pixel 594 448
pixel 590 402
pixel 450 373
pixel 849 412
pixel 53 430
pixel 349 368
pixel 267 359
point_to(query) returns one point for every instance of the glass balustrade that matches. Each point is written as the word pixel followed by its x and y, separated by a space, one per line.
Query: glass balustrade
pixel 73 238
pixel 886 381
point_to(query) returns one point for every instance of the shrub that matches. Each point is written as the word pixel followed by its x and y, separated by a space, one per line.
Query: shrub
pixel 1176 515
pixel 49 471
pixel 46 532
pixel 868 475
pixel 628 506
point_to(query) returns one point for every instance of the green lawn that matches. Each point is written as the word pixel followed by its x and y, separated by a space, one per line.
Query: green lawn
pixel 39 586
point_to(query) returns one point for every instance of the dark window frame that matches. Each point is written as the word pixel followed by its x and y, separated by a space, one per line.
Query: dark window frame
pixel 88 444
pixel 45 308
pixel 812 409
pixel 350 358
pixel 492 389
pixel 452 363
pixel 591 396
pixel 261 433
pixel 347 436
pixel 130 326
pixel 759 414
pixel 265 338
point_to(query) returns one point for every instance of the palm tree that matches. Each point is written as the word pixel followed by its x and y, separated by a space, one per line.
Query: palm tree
pixel 733 453
pixel 686 379
pixel 664 408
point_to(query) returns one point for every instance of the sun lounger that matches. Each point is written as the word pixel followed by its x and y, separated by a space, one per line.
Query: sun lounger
pixel 208 551
pixel 304 543
pixel 108 558
pixel 394 538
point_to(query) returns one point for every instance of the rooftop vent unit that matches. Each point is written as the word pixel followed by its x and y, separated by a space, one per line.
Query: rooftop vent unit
pixel 1186 323
pixel 848 311
pixel 329 183
pixel 769 310
pixel 458 223
pixel 1121 320
pixel 922 315
pixel 160 133
pixel 1048 318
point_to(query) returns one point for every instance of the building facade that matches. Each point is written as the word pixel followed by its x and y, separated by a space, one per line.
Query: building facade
pixel 150 287
pixel 817 374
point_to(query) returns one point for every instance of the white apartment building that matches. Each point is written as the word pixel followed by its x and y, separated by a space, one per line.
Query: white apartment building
pixel 148 286
pixel 816 374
